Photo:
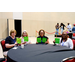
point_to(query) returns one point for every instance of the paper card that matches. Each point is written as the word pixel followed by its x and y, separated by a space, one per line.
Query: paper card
pixel 19 40
pixel 26 39
pixel 14 47
pixel 44 40
pixel 39 40
pixel 57 40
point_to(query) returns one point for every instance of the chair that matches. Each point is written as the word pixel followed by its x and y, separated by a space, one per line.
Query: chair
pixel 3 45
pixel 4 52
pixel 73 44
pixel 69 59
pixel 73 36
pixel 2 59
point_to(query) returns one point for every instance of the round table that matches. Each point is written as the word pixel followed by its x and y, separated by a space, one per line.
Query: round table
pixel 39 53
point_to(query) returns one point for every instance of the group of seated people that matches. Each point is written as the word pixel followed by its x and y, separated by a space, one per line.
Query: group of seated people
pixel 11 42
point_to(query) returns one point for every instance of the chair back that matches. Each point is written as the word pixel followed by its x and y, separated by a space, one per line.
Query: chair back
pixel 3 44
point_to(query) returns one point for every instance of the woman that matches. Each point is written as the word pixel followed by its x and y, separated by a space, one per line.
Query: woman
pixel 25 34
pixel 62 27
pixel 57 29
pixel 66 41
pixel 10 41
pixel 42 35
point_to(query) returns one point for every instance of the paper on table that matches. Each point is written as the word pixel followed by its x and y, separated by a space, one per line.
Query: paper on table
pixel 14 47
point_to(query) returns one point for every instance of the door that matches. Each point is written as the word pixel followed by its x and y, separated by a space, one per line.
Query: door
pixel 17 25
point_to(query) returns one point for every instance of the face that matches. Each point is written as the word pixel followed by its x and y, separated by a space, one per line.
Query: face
pixel 24 34
pixel 58 24
pixel 41 33
pixel 68 23
pixel 64 35
pixel 13 34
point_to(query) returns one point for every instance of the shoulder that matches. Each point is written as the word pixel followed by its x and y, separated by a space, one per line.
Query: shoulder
pixel 55 25
pixel 8 37
pixel 69 39
pixel 38 37
pixel 63 24
pixel 46 37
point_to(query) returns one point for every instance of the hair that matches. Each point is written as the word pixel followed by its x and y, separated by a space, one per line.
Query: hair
pixel 62 24
pixel 41 30
pixel 25 32
pixel 68 23
pixel 57 23
pixel 13 31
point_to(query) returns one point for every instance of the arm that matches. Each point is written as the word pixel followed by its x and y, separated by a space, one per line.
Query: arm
pixel 47 41
pixel 29 42
pixel 9 46
pixel 71 44
pixel 36 42
pixel 22 40
pixel 72 29
pixel 7 43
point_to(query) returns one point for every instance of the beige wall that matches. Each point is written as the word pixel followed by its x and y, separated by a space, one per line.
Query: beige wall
pixel 33 21
pixel 3 23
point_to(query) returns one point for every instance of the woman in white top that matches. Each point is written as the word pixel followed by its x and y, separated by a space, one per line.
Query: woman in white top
pixel 25 34
pixel 65 41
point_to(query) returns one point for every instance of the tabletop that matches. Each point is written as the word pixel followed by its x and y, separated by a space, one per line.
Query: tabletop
pixel 39 53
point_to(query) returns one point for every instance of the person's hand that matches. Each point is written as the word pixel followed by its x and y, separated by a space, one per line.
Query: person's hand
pixel 16 43
pixel 36 42
pixel 24 43
pixel 46 42
pixel 54 41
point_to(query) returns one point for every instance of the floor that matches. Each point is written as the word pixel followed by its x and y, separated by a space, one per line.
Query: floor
pixel 33 41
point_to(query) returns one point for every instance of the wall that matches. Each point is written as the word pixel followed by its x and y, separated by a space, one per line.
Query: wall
pixel 3 23
pixel 17 15
pixel 33 21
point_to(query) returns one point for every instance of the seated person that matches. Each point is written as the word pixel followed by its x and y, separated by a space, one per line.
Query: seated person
pixel 73 29
pixel 10 41
pixel 25 34
pixel 66 41
pixel 42 35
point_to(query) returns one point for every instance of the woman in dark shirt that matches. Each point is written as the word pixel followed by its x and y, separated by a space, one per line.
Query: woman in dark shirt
pixel 62 27
pixel 10 41
pixel 42 35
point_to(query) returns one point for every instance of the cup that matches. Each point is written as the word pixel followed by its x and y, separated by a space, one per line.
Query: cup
pixel 22 45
